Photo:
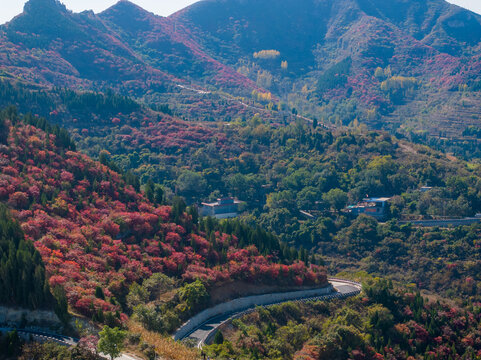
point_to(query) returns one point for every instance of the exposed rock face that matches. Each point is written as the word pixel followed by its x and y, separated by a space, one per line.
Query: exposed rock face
pixel 24 317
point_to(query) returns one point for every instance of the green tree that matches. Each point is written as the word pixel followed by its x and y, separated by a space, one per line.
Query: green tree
pixel 194 294
pixel 61 304
pixel 178 208
pixel 22 272
pixel 149 190
pixel 111 341
pixel 3 132
pixel 159 194
pixel 362 235
pixel 193 211
pixel 190 183
pixel 99 293
pixel 137 295
pixel 218 338
pixel 381 318
pixel 336 198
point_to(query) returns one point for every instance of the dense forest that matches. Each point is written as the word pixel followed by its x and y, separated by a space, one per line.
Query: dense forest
pixel 442 261
pixel 390 322
pixel 130 237
pixel 69 107
pixel 279 170
pixel 97 235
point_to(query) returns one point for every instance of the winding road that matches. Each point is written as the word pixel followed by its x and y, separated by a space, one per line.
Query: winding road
pixel 43 336
pixel 205 331
pixel 233 99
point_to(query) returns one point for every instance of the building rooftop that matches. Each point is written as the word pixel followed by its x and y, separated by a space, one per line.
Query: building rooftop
pixel 222 202
pixel 425 188
pixel 369 202
pixel 380 199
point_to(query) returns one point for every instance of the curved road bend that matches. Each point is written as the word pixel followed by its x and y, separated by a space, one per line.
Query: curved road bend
pixel 204 332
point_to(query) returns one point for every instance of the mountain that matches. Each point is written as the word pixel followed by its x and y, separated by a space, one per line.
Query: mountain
pixel 404 66
pixel 50 45
pixel 167 45
pixel 386 63
pixel 272 102
pixel 296 29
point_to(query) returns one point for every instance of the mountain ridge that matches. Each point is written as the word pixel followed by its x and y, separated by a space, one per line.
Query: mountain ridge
pixel 434 42
pixel 420 47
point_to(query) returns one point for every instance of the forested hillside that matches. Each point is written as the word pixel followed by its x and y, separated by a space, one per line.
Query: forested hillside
pixel 280 170
pixel 97 235
pixel 117 126
pixel 92 51
pixel 403 65
pixel 411 67
pixel 388 323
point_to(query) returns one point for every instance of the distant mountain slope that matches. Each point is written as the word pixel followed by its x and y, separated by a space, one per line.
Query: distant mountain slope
pixel 57 47
pixel 401 65
pixel 332 51
pixel 167 45
pixel 297 28
pixel 431 22
pixel 49 44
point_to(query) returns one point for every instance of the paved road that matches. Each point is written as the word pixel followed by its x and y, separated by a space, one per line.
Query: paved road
pixel 232 99
pixel 43 336
pixel 204 332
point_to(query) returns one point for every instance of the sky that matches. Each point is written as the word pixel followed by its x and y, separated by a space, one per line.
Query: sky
pixel 10 8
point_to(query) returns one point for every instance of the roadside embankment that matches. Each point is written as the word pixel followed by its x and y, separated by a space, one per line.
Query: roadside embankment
pixel 245 303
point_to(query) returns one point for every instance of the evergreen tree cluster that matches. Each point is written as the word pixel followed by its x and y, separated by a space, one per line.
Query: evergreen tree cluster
pixel 22 272
pixel 128 176
pixel 335 76
pixel 104 105
pixel 25 98
pixel 3 131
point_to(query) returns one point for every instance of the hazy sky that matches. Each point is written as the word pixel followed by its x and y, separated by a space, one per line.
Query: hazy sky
pixel 10 8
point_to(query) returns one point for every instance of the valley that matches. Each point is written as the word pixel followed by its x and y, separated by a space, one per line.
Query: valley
pixel 334 142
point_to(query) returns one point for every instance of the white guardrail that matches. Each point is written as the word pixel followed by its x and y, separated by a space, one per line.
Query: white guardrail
pixel 242 306
pixel 229 310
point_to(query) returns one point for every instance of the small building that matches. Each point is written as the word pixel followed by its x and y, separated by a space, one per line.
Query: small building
pixel 425 189
pixel 221 209
pixel 375 207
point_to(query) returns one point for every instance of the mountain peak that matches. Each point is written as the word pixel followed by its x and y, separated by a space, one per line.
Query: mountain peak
pixel 129 16
pixel 126 7
pixel 35 6
pixel 41 22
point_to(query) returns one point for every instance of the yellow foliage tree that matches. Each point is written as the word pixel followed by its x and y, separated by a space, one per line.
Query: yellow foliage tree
pixel 267 54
